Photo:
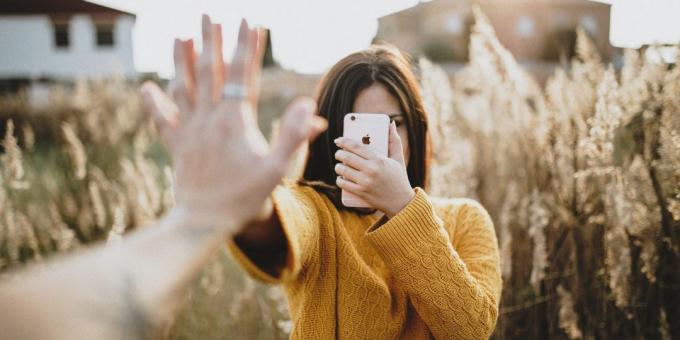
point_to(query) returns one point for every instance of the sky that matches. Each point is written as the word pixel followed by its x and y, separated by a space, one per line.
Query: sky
pixel 309 36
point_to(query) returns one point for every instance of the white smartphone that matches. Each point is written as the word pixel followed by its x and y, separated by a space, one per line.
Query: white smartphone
pixel 371 129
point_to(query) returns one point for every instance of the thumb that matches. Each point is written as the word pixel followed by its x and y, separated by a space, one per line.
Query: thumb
pixel 164 111
pixel 298 124
pixel 396 151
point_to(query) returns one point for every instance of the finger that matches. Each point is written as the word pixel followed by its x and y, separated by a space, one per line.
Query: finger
pixel 318 125
pixel 355 147
pixel 158 103
pixel 238 65
pixel 163 110
pixel 206 69
pixel 178 87
pixel 297 125
pixel 190 69
pixel 219 60
pixel 353 160
pixel 350 173
pixel 258 47
pixel 395 149
pixel 348 185
pixel 225 72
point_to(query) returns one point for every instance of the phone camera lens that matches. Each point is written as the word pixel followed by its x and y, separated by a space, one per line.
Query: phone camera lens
pixel 352 118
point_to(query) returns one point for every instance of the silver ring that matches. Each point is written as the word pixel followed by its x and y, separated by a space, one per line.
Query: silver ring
pixel 234 92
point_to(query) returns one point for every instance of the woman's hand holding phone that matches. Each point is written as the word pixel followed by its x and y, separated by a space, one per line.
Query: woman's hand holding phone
pixel 381 181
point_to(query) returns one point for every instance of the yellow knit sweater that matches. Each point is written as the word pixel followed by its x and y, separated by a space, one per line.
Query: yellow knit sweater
pixel 430 271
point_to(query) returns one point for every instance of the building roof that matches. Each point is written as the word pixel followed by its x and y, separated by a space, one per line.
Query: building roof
pixel 422 4
pixel 55 7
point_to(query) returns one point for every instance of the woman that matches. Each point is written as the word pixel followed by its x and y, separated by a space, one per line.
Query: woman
pixel 415 267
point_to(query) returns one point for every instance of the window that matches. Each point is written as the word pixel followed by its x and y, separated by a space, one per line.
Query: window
pixel 454 23
pixel 61 36
pixel 105 35
pixel 525 26
pixel 589 23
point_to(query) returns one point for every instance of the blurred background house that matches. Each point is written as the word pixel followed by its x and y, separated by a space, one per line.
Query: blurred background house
pixel 42 41
pixel 539 33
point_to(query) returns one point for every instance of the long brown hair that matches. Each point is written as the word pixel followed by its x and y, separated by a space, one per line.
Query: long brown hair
pixel 336 94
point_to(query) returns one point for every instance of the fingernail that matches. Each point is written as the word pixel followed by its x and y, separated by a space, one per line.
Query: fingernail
pixel 337 140
pixel 319 123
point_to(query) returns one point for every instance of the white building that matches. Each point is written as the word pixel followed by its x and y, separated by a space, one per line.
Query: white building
pixel 45 40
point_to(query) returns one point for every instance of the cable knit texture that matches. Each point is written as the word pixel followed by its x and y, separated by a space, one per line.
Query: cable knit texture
pixel 431 271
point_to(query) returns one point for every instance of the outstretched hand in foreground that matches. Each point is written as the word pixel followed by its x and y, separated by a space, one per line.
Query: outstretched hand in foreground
pixel 225 168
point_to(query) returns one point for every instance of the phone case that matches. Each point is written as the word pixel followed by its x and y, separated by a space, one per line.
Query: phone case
pixel 371 129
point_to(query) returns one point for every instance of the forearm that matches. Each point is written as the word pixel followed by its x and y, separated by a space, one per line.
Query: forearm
pixel 453 302
pixel 276 250
pixel 114 291
pixel 264 242
pixel 454 290
pixel 446 295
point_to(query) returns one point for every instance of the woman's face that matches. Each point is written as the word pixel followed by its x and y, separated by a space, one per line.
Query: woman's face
pixel 377 99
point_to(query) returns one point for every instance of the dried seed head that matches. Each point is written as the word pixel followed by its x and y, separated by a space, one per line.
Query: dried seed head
pixel 12 160
pixel 76 150
pixel 568 319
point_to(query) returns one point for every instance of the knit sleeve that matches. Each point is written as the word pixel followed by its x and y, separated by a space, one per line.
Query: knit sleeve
pixel 297 210
pixel 455 291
